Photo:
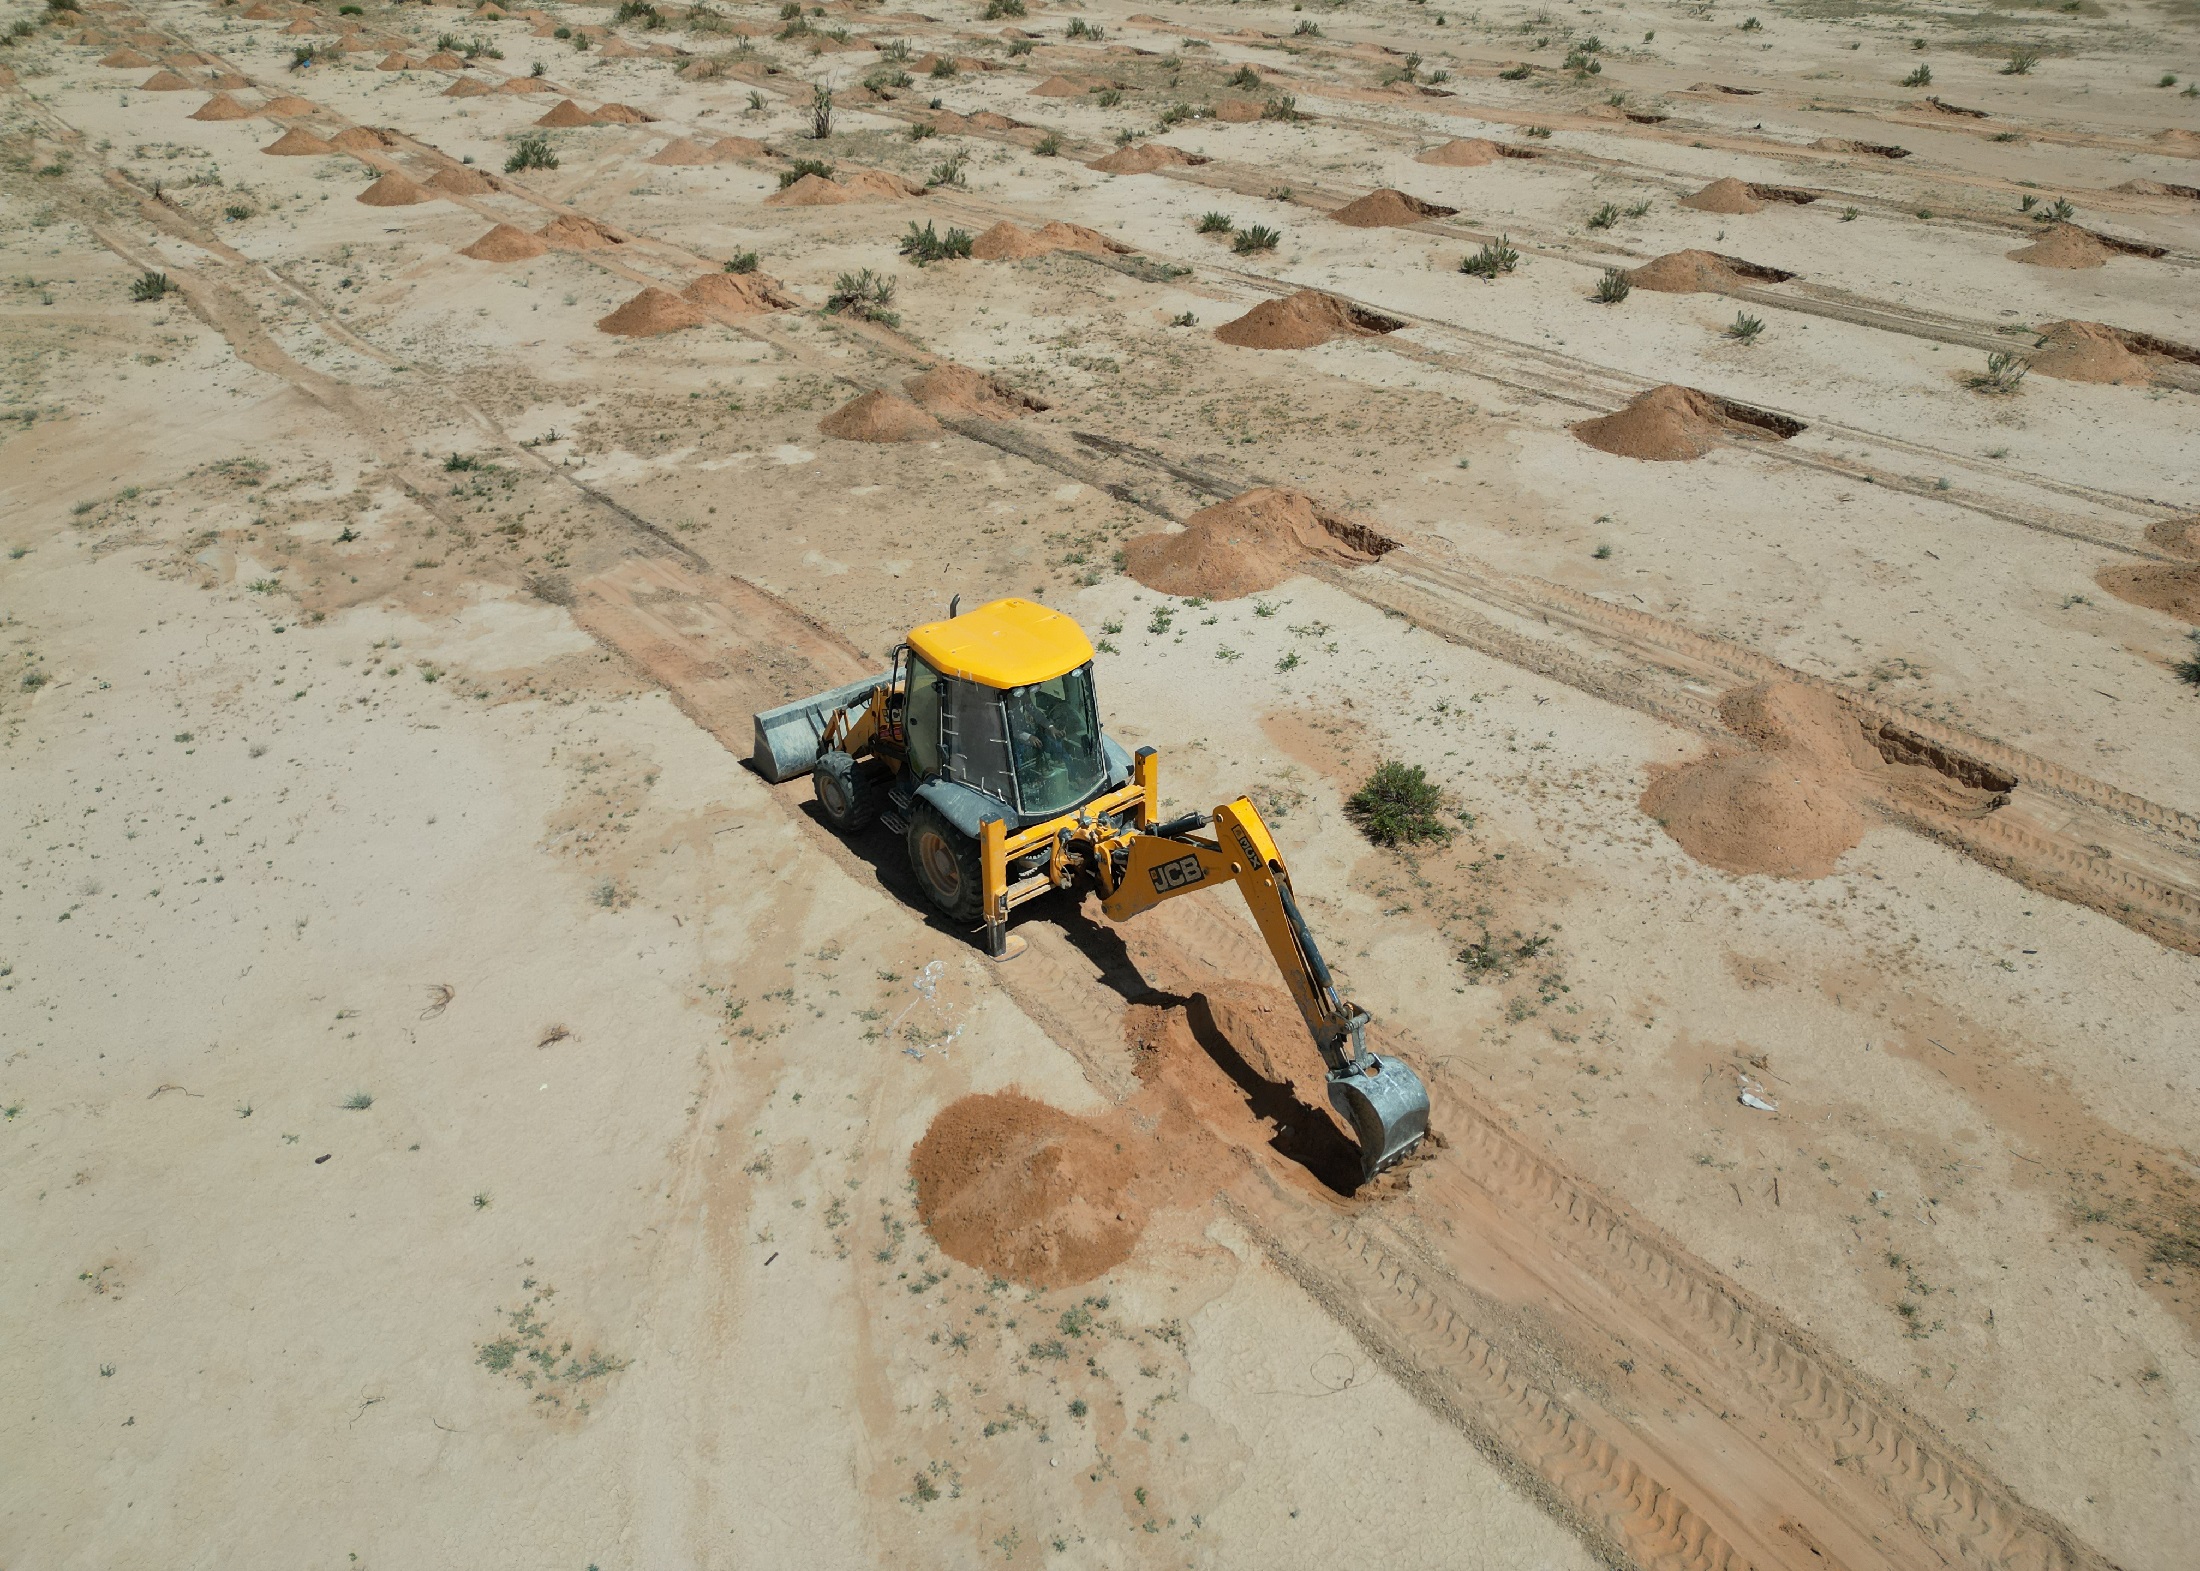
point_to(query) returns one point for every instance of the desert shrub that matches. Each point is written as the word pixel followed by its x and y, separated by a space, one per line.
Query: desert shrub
pixel 1048 146
pixel 1604 217
pixel 149 286
pixel 821 112
pixel 804 166
pixel 1398 805
pixel 1612 288
pixel 2004 373
pixel 949 171
pixel 533 152
pixel 1307 30
pixel 2021 62
pixel 1921 77
pixel 1745 328
pixel 1255 237
pixel 1244 76
pixel 1282 108
pixel 865 295
pixel 1080 28
pixel 997 9
pixel 742 262
pixel 2187 670
pixel 1216 223
pixel 922 245
pixel 1515 73
pixel 1496 258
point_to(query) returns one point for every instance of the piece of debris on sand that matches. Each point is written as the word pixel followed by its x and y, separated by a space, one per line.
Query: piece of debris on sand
pixel 394 190
pixel 2065 246
pixel 955 390
pixel 1388 209
pixel 1026 1192
pixel 1724 196
pixel 650 313
pixel 737 294
pixel 879 417
pixel 504 243
pixel 2088 352
pixel 1672 424
pixel 1250 543
pixel 1008 241
pixel 1302 320
pixel 1144 159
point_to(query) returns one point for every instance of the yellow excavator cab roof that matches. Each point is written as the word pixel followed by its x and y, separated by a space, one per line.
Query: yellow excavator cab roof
pixel 1008 643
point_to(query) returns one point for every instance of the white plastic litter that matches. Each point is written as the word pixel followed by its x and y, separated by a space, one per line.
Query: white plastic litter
pixel 940 1026
pixel 1755 1095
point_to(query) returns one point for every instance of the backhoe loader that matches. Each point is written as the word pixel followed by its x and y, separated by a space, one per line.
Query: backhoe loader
pixel 982 747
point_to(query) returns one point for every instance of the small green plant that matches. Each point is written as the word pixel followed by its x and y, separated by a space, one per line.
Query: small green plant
pixel 2187 670
pixel 1184 319
pixel 919 131
pixel 742 262
pixel 995 10
pixel 1216 223
pixel 301 58
pixel 1497 257
pixel 1108 97
pixel 1602 553
pixel 1745 328
pixel 1080 28
pixel 1516 73
pixel 864 295
pixel 1019 47
pixel 2021 62
pixel 895 49
pixel 149 286
pixel 1921 77
pixel 804 166
pixel 1285 108
pixel 1850 215
pixel 1244 76
pixel 1306 30
pixel 1398 805
pixel 481 1200
pixel 1604 217
pixel 1255 237
pixel 949 171
pixel 1049 146
pixel 1612 288
pixel 821 112
pixel 458 463
pixel 531 152
pixel 2004 373
pixel 924 245
pixel 2059 211
pixel 1752 25
pixel 2169 79
pixel 942 69
pixel 236 212
pixel 359 1101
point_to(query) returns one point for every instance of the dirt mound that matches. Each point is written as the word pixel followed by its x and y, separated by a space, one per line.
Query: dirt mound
pixel 2172 588
pixel 1249 543
pixel 286 104
pixel 127 59
pixel 1671 424
pixel 164 82
pixel 468 87
pixel 2087 352
pixel 394 190
pixel 623 114
pixel 862 184
pixel 1058 87
pixel 565 114
pixel 683 150
pixel 221 107
pixel 444 60
pixel 1024 1191
pixel 506 244
pixel 2178 536
pixel 736 294
pixel 1685 273
pixel 1302 320
pixel 1724 196
pixel 1466 152
pixel 649 313
pixel 295 143
pixel 2064 246
pixel 809 191
pixel 2186 144
pixel 2157 188
pixel 458 180
pixel 524 84
pixel 879 417
pixel 1238 111
pixel 958 390
pixel 576 233
pixel 395 61
pixel 363 139
pixel 1144 159
pixel 1009 242
pixel 1388 209
pixel 728 148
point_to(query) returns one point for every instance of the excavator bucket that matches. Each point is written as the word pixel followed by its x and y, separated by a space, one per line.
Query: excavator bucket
pixel 786 737
pixel 1386 1105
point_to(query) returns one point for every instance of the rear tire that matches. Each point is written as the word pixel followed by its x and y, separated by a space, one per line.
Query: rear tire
pixel 946 863
pixel 847 797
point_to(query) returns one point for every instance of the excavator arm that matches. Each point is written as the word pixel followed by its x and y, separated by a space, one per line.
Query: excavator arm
pixel 1381 1099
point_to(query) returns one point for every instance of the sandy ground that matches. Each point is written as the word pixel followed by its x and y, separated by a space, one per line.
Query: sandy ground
pixel 435 1071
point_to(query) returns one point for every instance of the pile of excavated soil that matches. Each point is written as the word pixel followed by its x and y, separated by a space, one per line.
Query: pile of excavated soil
pixel 127 59
pixel 879 417
pixel 1724 196
pixel 164 82
pixel 395 61
pixel 221 107
pixel 394 190
pixel 2176 140
pixel 1027 1192
pixel 683 150
pixel 2172 588
pixel 649 313
pixel 727 148
pixel 2087 352
pixel 468 87
pixel 1466 152
pixel 1143 159
pixel 861 184
pixel 736 294
pixel 524 84
pixel 809 191
pixel 506 244
pixel 1249 543
pixel 1058 87
pixel 1238 111
pixel 2178 536
pixel 1008 242
pixel 1302 320
pixel 1668 424
pixel 1788 809
pixel 287 104
pixel 1387 209
pixel 362 139
pixel 577 233
pixel 295 143
pixel 1685 273
pixel 444 60
pixel 957 390
pixel 623 114
pixel 565 114
pixel 2064 246
pixel 458 180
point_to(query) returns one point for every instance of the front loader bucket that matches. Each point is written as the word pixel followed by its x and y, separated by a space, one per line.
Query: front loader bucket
pixel 1386 1105
pixel 786 737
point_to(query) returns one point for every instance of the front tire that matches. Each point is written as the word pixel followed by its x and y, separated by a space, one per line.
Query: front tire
pixel 847 797
pixel 945 861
